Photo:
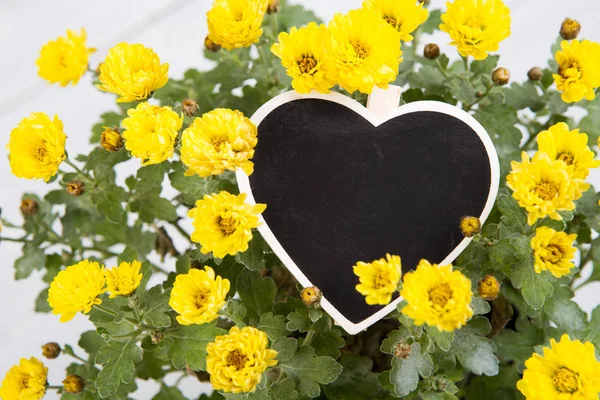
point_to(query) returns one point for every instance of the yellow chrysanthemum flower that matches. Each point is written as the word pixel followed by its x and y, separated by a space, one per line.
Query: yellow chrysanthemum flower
pixel 76 289
pixel 133 72
pixel 378 279
pixel 476 27
pixel 236 361
pixel 124 279
pixel 553 251
pixel 543 187
pixel 37 147
pixel 223 223
pixel 198 296
pixel 364 50
pixel 151 132
pixel 304 58
pixel 437 296
pixel 568 370
pixel 26 381
pixel 65 59
pixel 221 140
pixel 236 23
pixel 405 16
pixel 578 70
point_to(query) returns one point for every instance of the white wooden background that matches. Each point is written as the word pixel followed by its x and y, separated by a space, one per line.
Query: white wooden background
pixel 175 29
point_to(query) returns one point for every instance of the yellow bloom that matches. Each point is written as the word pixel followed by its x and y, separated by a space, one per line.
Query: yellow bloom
pixel 571 147
pixel 553 251
pixel 151 132
pixel 488 287
pixel 111 140
pixel 223 223
pixel 236 23
pixel 132 72
pixel 476 27
pixel 578 70
pixel 437 296
pixel 65 59
pixel 304 58
pixel 379 279
pixel 236 361
pixel 221 140
pixel 403 15
pixel 198 296
pixel 76 289
pixel 26 381
pixel 364 50
pixel 542 187
pixel 124 279
pixel 568 370
pixel 37 147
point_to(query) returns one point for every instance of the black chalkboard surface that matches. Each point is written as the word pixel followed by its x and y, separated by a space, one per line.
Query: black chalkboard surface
pixel 340 190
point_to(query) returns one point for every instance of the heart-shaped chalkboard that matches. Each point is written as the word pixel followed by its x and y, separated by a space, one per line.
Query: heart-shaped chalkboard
pixel 343 185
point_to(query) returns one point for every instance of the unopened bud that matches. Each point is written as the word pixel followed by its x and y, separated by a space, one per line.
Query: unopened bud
pixel 189 107
pixel 29 207
pixel 402 350
pixel 51 350
pixel 75 187
pixel 210 45
pixel 431 51
pixel 488 288
pixel 479 94
pixel 111 139
pixel 535 74
pixel 500 76
pixel 470 226
pixel 156 337
pixel 273 7
pixel 439 384
pixel 570 29
pixel 311 296
pixel 73 384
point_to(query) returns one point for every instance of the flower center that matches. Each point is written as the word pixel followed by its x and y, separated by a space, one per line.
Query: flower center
pixel 201 299
pixel 307 64
pixel 41 151
pixel 546 191
pixel 440 295
pixel 565 380
pixel 393 22
pixel 218 142
pixel 359 50
pixel 567 158
pixel 570 70
pixel 236 359
pixel 381 279
pixel 227 225
pixel 25 383
pixel 553 254
pixel 474 23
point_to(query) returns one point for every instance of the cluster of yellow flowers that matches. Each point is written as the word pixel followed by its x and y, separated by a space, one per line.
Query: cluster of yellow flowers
pixel 25 381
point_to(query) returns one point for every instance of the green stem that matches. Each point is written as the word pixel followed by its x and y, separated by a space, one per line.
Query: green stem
pixel 54 387
pixel 128 335
pixel 156 268
pixel 77 169
pixel 103 251
pixel 487 91
pixel 310 335
pixel 466 62
pixel 181 231
pixel 106 310
pixel 76 357
pixel 182 377
pixel 8 239
pixel 439 65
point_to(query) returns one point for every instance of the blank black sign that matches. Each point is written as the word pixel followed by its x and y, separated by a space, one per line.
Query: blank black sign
pixel 339 190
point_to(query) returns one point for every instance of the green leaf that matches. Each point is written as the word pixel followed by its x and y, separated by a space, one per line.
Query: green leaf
pixel 309 371
pixel 108 198
pixel 273 325
pixel 514 217
pixel 189 345
pixel 485 66
pixel 518 346
pixel 480 306
pixel 429 78
pixel 283 390
pixel 535 288
pixel 254 257
pixel 593 334
pixel 41 302
pixel 118 359
pixel 356 382
pixel 150 367
pixel 260 393
pixel 257 293
pixel 112 310
pixel 155 307
pixel 523 96
pixel 500 387
pixel 443 339
pixel 169 393
pixel 565 313
pixel 33 258
pixel 590 124
pixel 328 339
pixel 151 177
pixel 151 206
pixel 236 311
pixel 299 320
pixel 474 351
pixel 285 347
pixel 405 372
pixel 91 342
pixel 433 22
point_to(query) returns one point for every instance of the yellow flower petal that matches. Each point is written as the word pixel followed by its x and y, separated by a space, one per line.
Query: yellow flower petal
pixel 25 381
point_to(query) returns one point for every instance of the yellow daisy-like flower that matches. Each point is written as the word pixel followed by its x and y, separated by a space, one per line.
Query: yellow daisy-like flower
pixel 133 72
pixel 76 289
pixel 568 370
pixel 65 59
pixel 543 187
pixel 26 381
pixel 236 23
pixel 553 251
pixel 578 70
pixel 304 58
pixel 437 296
pixel 198 296
pixel 405 16
pixel 37 147
pixel 124 279
pixel 236 361
pixel 476 27
pixel 151 132
pixel 223 223
pixel 364 50
pixel 221 140
pixel 379 279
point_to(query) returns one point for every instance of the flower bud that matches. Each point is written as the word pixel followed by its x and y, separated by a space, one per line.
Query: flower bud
pixel 570 29
pixel 210 45
pixel 500 76
pixel 488 288
pixel 157 336
pixel 431 51
pixel 470 226
pixel 29 207
pixel 189 107
pixel 51 350
pixel 75 187
pixel 273 7
pixel 402 350
pixel 440 384
pixel 73 384
pixel 311 296
pixel 535 74
pixel 111 139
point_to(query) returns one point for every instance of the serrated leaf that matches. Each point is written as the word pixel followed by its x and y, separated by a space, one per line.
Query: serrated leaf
pixel 254 257
pixel 565 313
pixel 151 206
pixel 112 310
pixel 327 340
pixel 474 351
pixel 299 320
pixel 285 347
pixel 357 381
pixel 518 346
pixel 118 359
pixel 433 22
pixel 260 393
pixel 169 393
pixel 151 176
pixel 91 342
pixel 189 345
pixel 33 258
pixel 236 311
pixel 309 371
pixel 155 307
pixel 405 372
pixel 257 293
pixel 480 306
pixel 593 334
pixel 443 339
pixel 283 390
pixel 107 199
pixel 41 302
pixel 273 325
